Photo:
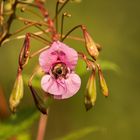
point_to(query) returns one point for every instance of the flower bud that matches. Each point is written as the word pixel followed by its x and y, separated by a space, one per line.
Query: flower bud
pixel 12 1
pixel 90 95
pixel 103 84
pixel 90 44
pixel 7 7
pixel 17 93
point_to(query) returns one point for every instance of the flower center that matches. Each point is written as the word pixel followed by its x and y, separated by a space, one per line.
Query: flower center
pixel 59 70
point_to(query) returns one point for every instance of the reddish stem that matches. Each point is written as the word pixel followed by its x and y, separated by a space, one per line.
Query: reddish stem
pixel 4 112
pixel 42 127
pixel 47 19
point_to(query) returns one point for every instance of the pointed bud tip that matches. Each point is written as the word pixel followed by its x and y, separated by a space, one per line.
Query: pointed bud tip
pixel 43 111
pixel 106 95
pixel 88 106
pixel 13 109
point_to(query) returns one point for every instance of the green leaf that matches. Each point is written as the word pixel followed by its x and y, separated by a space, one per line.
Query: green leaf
pixel 105 65
pixel 23 136
pixel 77 135
pixel 81 67
pixel 108 65
pixel 35 82
pixel 17 123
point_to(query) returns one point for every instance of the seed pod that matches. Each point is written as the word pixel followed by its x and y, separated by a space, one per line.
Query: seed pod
pixel 38 101
pixel 90 44
pixel 90 95
pixel 103 84
pixel 24 53
pixel 17 93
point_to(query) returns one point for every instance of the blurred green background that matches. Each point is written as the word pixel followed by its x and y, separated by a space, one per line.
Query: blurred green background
pixel 115 24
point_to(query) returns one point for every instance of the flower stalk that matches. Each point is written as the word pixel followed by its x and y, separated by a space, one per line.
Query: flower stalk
pixel 42 127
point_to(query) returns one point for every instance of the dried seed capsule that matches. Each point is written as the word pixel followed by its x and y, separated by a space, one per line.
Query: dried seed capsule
pixel 103 84
pixel 90 44
pixel 17 93
pixel 90 95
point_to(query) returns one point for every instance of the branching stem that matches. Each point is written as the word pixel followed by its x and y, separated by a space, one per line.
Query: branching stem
pixel 78 26
pixel 31 21
pixel 58 12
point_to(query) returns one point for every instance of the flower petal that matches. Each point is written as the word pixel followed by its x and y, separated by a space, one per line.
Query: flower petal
pixel 61 89
pixel 51 86
pixel 58 52
pixel 73 84
pixel 47 58
pixel 67 55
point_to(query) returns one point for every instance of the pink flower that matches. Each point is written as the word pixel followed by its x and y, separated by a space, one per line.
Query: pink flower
pixel 58 62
